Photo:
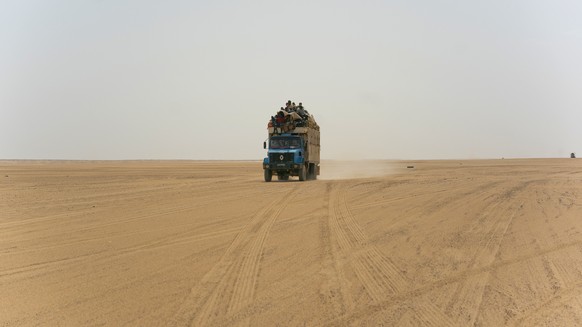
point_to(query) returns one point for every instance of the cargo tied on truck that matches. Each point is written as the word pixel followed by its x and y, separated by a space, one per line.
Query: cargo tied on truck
pixel 292 145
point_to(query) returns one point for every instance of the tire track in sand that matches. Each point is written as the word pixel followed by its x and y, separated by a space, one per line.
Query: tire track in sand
pixel 421 290
pixel 333 289
pixel 230 284
pixel 466 300
pixel 379 276
pixel 428 314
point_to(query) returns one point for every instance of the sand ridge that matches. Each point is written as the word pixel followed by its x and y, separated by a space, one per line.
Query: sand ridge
pixel 185 243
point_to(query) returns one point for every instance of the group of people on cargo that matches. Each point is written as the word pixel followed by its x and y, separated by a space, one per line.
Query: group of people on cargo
pixel 291 107
pixel 290 116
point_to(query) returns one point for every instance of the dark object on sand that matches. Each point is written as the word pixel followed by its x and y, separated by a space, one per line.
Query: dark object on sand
pixel 572 155
pixel 409 166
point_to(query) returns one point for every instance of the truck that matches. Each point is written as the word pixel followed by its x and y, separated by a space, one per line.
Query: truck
pixel 292 149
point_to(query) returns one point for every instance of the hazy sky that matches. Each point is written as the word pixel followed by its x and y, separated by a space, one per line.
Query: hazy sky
pixel 199 79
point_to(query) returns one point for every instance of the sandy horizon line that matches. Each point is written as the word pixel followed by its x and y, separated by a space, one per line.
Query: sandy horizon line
pixel 260 160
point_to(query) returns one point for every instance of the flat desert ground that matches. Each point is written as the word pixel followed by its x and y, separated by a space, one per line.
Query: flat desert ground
pixel 186 243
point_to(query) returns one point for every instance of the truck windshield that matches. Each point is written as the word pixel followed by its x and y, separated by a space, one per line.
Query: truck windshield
pixel 285 143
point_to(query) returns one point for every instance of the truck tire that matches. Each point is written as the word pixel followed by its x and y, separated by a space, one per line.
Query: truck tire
pixel 268 175
pixel 303 173
pixel 311 174
pixel 314 172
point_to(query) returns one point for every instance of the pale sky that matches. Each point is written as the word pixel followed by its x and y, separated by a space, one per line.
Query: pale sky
pixel 200 79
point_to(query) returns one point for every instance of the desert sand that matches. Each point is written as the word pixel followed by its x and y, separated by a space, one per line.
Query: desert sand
pixel 184 243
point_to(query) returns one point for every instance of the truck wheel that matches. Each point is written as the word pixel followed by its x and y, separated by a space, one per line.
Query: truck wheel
pixel 268 175
pixel 303 173
pixel 311 172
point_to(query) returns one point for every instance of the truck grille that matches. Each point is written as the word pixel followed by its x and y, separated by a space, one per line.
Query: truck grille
pixel 275 158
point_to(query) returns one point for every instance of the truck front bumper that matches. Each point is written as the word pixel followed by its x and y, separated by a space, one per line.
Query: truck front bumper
pixel 282 166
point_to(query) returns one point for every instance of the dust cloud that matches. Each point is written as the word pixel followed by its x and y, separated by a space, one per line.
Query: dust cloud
pixel 333 170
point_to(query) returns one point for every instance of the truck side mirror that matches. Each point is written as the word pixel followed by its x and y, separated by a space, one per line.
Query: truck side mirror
pixel 264 145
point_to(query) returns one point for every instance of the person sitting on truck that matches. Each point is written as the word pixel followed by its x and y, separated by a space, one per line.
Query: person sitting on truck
pixel 300 111
pixel 288 106
pixel 280 120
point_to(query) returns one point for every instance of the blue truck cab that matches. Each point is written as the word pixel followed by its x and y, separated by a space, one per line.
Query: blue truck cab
pixel 292 153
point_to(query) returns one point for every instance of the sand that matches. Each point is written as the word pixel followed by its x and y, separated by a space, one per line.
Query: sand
pixel 182 243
